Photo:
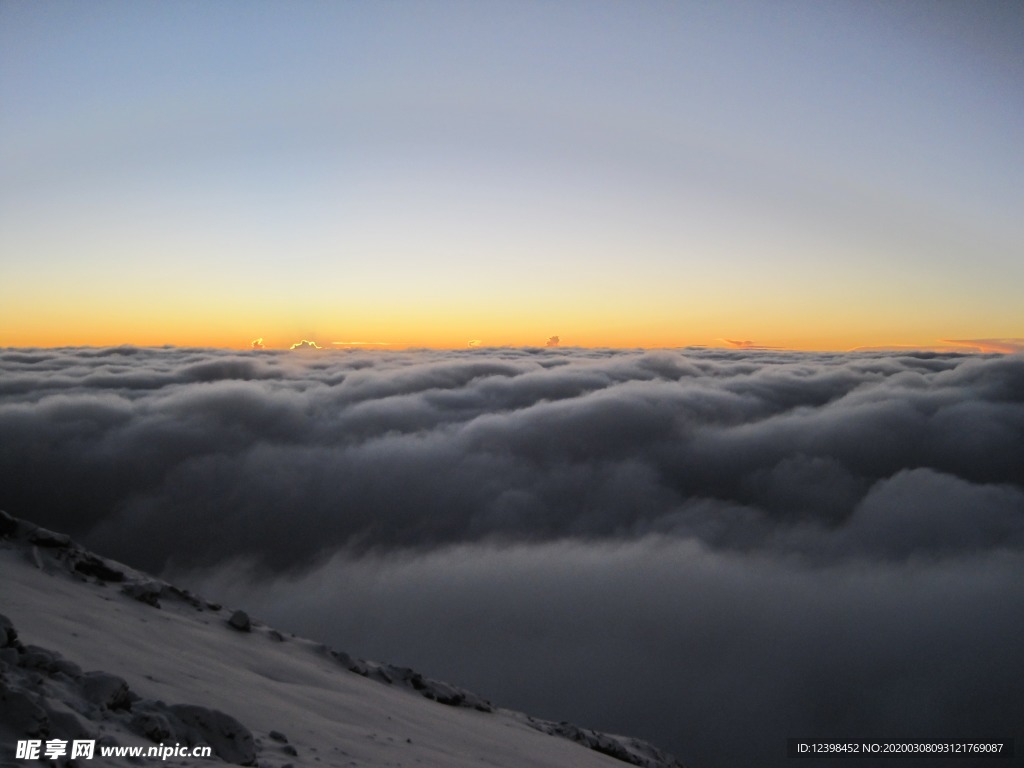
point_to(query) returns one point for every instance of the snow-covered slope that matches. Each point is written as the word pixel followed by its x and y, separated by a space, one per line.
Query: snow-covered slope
pixel 91 649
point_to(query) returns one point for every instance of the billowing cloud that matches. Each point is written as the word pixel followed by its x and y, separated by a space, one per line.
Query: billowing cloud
pixel 553 341
pixel 718 656
pixel 683 544
pixel 474 343
pixel 258 343
pixel 305 344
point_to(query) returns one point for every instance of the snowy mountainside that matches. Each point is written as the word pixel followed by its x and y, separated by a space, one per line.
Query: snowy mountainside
pixel 91 649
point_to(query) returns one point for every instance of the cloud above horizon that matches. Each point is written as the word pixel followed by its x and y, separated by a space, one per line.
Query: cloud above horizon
pixel 746 344
pixel 655 536
pixel 1007 346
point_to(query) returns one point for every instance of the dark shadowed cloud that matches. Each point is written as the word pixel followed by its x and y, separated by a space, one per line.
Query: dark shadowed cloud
pixel 718 656
pixel 681 543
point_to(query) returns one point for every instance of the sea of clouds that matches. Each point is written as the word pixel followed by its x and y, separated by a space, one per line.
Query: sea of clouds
pixel 712 549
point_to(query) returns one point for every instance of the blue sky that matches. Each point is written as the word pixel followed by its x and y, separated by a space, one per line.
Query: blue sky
pixel 808 174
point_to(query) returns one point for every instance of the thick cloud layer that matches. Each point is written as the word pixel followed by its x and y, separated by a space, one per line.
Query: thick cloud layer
pixel 717 656
pixel 681 544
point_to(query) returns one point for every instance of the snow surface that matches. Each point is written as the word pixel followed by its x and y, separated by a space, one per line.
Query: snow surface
pixel 93 649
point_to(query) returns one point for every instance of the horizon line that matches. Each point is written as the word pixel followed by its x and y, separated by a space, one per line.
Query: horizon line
pixel 1004 346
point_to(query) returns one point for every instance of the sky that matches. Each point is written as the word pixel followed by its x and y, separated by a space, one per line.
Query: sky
pixel 802 175
pixel 711 549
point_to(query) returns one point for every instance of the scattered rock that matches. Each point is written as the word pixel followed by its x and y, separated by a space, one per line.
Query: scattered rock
pixel 44 538
pixel 147 592
pixel 64 724
pixel 184 595
pixel 20 715
pixel 231 741
pixel 8 635
pixel 151 724
pixel 90 565
pixel 435 690
pixel 39 659
pixel 278 736
pixel 628 750
pixel 106 690
pixel 240 620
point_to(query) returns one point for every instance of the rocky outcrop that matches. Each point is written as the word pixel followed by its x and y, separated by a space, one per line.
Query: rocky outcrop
pixel 45 696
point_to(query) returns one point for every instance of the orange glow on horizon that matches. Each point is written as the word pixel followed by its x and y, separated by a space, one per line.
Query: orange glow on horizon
pixel 143 336
pixel 236 322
